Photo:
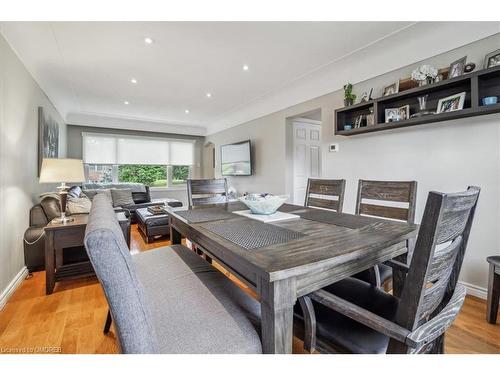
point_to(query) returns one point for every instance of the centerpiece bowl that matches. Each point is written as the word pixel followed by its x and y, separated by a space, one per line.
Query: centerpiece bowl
pixel 264 204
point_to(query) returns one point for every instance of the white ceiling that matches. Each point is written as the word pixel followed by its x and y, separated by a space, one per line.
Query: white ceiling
pixel 85 67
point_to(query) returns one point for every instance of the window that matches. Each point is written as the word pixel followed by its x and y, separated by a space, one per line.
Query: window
pixel 100 174
pixel 151 175
pixel 156 162
pixel 180 173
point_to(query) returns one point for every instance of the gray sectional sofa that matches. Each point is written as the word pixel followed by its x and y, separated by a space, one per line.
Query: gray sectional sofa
pixel 140 194
pixel 168 300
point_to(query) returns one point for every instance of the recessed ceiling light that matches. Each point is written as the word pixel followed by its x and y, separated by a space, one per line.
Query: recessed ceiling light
pixel 209 95
pixel 133 80
pixel 245 67
pixel 148 40
pixel 126 102
pixel 186 111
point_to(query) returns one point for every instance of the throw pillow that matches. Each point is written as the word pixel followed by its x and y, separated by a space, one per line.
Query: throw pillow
pixel 106 192
pixel 75 192
pixel 80 205
pixel 122 197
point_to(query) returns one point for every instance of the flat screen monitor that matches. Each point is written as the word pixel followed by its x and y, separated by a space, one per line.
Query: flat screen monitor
pixel 236 159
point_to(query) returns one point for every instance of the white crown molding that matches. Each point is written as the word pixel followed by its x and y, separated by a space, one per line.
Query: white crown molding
pixel 104 121
pixel 428 39
pixel 11 288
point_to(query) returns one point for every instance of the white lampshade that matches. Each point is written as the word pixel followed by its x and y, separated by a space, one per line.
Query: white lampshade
pixel 62 170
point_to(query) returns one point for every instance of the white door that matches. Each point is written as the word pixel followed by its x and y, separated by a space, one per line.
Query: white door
pixel 306 157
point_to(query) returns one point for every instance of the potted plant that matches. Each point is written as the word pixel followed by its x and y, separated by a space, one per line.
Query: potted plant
pixel 349 97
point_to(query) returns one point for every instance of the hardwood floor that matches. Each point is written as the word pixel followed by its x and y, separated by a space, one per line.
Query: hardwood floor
pixel 72 318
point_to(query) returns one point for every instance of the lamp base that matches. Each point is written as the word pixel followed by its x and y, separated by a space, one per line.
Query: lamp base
pixel 63 220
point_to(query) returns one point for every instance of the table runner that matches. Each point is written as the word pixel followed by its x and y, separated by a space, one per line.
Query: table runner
pixel 205 214
pixel 252 234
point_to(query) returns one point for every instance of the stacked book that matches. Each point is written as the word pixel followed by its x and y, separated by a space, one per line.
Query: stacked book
pixel 157 210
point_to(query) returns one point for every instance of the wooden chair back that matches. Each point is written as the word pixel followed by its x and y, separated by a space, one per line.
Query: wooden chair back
pixel 206 191
pixel 327 194
pixel 437 260
pixel 399 192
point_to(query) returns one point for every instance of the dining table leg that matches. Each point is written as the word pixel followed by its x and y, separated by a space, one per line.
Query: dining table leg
pixel 175 235
pixel 277 300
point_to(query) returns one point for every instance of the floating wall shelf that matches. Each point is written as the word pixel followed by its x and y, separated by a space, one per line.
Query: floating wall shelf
pixel 476 85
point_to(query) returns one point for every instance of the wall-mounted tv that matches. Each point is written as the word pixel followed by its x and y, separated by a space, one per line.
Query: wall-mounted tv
pixel 236 159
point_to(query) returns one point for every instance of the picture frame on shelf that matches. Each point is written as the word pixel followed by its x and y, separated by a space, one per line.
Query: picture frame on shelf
pixel 391 89
pixel 397 114
pixel 492 59
pixel 451 103
pixel 404 112
pixel 358 121
pixel 391 115
pixel 457 68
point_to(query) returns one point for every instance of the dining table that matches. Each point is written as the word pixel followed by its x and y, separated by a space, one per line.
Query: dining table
pixel 284 260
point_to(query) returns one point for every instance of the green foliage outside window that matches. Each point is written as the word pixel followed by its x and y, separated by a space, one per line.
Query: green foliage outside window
pixel 151 175
pixel 180 173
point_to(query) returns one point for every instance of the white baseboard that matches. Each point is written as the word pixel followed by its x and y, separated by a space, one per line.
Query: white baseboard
pixel 475 290
pixel 11 288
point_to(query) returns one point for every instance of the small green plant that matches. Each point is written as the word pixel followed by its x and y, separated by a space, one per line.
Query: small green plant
pixel 349 97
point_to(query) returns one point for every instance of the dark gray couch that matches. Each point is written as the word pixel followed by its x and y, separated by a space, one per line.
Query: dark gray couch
pixel 141 195
pixel 168 300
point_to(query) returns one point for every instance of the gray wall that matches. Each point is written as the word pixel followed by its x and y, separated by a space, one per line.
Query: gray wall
pixel 446 156
pixel 75 147
pixel 20 97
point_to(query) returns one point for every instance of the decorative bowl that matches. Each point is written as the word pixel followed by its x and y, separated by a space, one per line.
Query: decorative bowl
pixel 263 204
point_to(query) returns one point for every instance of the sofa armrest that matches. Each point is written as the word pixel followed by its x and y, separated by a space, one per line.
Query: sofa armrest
pixel 37 216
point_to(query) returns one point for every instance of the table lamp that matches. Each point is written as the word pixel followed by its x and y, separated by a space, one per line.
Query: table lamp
pixel 62 170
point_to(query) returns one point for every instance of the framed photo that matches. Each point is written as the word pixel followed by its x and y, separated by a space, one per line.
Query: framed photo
pixel 492 59
pixel 391 114
pixel 451 103
pixel 457 68
pixel 358 121
pixel 391 89
pixel 404 112
pixel 397 114
pixel 48 137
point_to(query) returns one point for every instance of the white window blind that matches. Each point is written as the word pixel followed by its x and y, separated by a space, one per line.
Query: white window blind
pixel 117 149
pixel 99 149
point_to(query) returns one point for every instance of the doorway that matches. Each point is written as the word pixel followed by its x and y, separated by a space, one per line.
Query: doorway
pixel 306 153
pixel 209 160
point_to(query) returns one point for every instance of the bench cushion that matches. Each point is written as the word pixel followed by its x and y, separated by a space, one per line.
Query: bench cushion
pixel 195 308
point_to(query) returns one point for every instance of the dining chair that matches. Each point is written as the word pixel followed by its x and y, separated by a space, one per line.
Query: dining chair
pixel 393 200
pixel 202 192
pixel 353 316
pixel 328 194
pixel 493 289
pixel 206 191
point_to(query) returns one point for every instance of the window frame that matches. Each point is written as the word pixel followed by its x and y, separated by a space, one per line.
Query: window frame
pixel 169 175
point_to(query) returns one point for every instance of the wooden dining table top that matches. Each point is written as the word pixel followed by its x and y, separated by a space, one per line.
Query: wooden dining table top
pixel 324 245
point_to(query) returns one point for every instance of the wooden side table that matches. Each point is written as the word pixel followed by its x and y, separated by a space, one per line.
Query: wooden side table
pixel 59 236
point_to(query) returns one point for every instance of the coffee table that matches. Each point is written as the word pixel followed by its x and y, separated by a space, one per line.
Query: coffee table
pixel 152 225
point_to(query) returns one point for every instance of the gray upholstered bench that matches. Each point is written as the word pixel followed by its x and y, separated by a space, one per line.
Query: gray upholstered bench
pixel 168 300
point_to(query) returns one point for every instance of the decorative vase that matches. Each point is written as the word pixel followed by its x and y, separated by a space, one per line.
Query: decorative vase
pixel 422 105
pixel 426 81
pixel 422 102
pixel 348 102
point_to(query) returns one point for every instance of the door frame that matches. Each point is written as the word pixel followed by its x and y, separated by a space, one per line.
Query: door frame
pixel 289 183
